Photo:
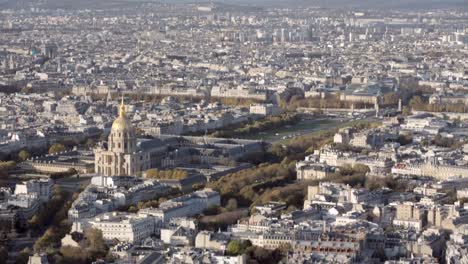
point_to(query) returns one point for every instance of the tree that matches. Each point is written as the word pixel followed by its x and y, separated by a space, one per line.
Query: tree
pixel 47 240
pixel 276 181
pixel 23 256
pixel 231 204
pixel 96 245
pixel 285 248
pixel 451 197
pixel 27 90
pixel 417 103
pixel 406 111
pixel 90 143
pixel 132 209
pixel 237 247
pixel 291 208
pixel 35 222
pixel 212 210
pixel 390 98
pixel 56 148
pixel 198 186
pixel 139 132
pixel 103 136
pixel 67 173
pixel 405 139
pixel 379 253
pixel 279 150
pixel 262 255
pixel 23 155
pixel 361 168
pixel 365 151
pixel 234 247
pixel 166 174
pixel 3 254
pixel 463 200
pixel 373 183
pixel 7 165
pixel 73 255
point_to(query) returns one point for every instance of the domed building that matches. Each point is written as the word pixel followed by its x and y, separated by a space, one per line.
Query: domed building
pixel 122 156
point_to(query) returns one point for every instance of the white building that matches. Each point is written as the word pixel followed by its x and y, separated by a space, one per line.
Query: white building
pixel 26 205
pixel 38 259
pixel 42 187
pixel 210 240
pixel 131 228
pixel 424 123
pixel 187 205
pixel 313 171
pixel 264 109
pixel 430 169
pixel 105 193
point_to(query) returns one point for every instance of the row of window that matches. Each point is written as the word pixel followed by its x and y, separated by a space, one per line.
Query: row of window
pixel 127 147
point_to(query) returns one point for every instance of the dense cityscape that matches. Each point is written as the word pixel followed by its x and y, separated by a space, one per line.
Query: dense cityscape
pixel 233 133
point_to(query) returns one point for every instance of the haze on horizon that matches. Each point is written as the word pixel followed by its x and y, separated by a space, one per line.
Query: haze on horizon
pixel 356 4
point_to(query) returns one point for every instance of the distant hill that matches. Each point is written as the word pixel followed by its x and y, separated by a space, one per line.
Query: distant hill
pixel 71 4
pixel 374 4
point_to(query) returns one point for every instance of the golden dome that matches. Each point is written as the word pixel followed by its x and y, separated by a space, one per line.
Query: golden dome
pixel 122 124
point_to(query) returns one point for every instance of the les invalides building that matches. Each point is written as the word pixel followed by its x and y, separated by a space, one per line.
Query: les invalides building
pixel 121 156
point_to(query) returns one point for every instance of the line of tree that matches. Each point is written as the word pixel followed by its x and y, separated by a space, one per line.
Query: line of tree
pixel 274 180
pixel 329 101
pixel 445 142
pixel 7 165
pixel 247 185
pixel 23 256
pixel 60 175
pixel 420 103
pixel 257 254
pixel 297 148
pixel 234 101
pixel 5 168
pixel 222 219
pixel 390 99
pixel 166 174
pixel 44 217
pixel 172 193
pixel 3 254
pixel 56 148
pixel 267 123
pixel 94 248
pixel 53 218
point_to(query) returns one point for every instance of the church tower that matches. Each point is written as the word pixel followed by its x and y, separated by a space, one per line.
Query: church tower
pixel 122 138
pixel 122 156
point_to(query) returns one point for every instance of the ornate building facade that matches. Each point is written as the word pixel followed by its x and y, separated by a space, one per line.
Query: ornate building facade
pixel 121 156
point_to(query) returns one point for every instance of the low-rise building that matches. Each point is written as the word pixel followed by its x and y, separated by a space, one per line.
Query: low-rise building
pixel 210 240
pixel 264 109
pixel 313 171
pixel 126 227
pixel 41 187
pixel 411 216
pixel 187 205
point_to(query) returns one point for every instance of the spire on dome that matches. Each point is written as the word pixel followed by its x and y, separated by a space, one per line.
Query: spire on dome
pixel 122 108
